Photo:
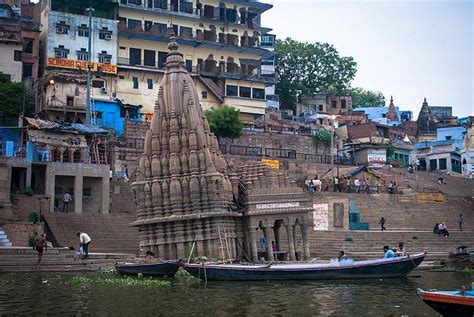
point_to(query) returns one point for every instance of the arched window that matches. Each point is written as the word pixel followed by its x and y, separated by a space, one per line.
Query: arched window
pixel 56 155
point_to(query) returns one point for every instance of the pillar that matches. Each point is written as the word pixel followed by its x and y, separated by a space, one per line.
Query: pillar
pixel 276 232
pixel 291 242
pixel 253 245
pixel 266 233
pixel 78 184
pixel 304 231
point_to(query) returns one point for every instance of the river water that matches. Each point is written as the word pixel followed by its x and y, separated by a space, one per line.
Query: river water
pixel 52 294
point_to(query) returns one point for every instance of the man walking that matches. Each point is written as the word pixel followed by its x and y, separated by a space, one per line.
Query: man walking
pixel 382 224
pixel 39 245
pixel 460 222
pixel 66 199
pixel 84 241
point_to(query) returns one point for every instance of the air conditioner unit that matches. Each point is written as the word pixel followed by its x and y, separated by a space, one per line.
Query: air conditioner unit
pixel 103 90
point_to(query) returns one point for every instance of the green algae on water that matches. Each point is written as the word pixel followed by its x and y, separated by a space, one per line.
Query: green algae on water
pixel 126 281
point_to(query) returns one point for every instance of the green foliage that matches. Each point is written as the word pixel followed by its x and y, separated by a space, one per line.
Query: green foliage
pixel 126 281
pixel 390 150
pixel 322 136
pixel 33 217
pixel 224 122
pixel 366 98
pixel 415 238
pixel 12 97
pixel 31 241
pixel 348 239
pixel 28 191
pixel 309 68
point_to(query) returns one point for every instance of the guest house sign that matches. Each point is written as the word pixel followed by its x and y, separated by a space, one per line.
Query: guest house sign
pixel 82 65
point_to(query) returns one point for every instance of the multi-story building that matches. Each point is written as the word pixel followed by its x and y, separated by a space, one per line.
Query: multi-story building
pixel 19 44
pixel 65 58
pixel 331 103
pixel 269 68
pixel 219 41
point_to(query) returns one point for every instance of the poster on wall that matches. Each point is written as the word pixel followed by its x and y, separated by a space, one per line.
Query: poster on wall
pixel 321 217
pixel 377 158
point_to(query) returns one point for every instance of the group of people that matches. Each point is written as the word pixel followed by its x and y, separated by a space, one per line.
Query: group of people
pixel 345 184
pixel 314 185
pixel 391 253
pixel 441 228
pixel 41 245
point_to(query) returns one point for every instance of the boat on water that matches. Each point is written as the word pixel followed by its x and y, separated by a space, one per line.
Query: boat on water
pixel 158 269
pixel 449 303
pixel 346 269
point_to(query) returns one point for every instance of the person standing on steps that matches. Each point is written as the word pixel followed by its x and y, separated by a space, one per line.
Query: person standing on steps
pixel 84 241
pixel 66 199
pixel 460 222
pixel 382 224
pixel 40 245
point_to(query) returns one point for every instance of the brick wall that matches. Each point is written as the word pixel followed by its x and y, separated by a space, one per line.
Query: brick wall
pixel 26 204
pixel 362 130
pixel 20 232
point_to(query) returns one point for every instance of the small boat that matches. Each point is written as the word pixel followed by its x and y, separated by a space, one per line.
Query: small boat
pixel 449 303
pixel 159 269
pixel 346 269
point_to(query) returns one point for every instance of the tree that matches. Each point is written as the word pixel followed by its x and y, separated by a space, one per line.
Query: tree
pixel 308 68
pixel 12 98
pixel 366 98
pixel 224 122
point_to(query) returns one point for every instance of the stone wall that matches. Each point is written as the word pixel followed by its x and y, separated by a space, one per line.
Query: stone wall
pixel 20 232
pixel 24 205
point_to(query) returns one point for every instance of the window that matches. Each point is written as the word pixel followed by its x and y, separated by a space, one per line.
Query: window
pixel 105 58
pixel 204 94
pixel 17 56
pixel 258 93
pixel 61 52
pixel 148 25
pixel 149 81
pixel 149 58
pixel 162 59
pixel 189 65
pixel 135 82
pixel 442 164
pixel 135 56
pixel 27 70
pixel 343 103
pixel 270 61
pixel 245 92
pixel 334 104
pixel 121 77
pixel 133 23
pixel 161 4
pixel 321 108
pixel 99 115
pixel 175 29
pixel 184 29
pixel 448 137
pixel 70 101
pixel 136 2
pixel 268 40
pixel 231 90
pixel 98 83
pixel 105 34
pixel 82 55
pixel 28 45
pixel 86 192
pixel 83 31
pixel 62 28
pixel 186 7
pixel 162 27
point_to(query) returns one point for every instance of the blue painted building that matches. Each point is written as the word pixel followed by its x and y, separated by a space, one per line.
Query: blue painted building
pixel 452 133
pixel 112 114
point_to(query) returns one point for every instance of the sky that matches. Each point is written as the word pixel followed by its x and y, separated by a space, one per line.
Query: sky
pixel 408 49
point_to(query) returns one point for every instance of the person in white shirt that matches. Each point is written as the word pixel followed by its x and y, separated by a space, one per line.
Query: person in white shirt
pixel 357 185
pixel 84 241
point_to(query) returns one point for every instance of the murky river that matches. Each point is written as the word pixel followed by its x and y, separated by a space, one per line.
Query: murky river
pixel 54 294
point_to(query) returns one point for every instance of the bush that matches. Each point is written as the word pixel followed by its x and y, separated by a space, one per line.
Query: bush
pixel 31 241
pixel 28 192
pixel 348 239
pixel 33 217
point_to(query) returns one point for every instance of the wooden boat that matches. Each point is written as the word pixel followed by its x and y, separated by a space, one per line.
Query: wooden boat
pixel 158 269
pixel 449 303
pixel 346 269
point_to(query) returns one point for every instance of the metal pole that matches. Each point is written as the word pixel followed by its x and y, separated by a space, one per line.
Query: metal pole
pixel 89 68
pixel 332 153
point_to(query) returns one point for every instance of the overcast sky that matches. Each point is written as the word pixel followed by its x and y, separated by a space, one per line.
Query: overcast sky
pixel 408 49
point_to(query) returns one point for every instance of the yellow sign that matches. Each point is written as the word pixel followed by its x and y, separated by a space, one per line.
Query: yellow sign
pixel 272 163
pixel 73 64
pixel 430 198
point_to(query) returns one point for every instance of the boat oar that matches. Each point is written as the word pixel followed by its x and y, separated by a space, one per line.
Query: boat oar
pixel 191 254
pixel 413 262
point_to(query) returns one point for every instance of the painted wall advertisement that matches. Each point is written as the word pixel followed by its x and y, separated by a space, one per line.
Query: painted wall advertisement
pixel 272 163
pixel 377 158
pixel 321 217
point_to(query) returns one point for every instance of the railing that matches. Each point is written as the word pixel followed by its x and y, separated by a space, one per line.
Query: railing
pixel 133 143
pixel 280 153
pixel 245 150
pixel 99 156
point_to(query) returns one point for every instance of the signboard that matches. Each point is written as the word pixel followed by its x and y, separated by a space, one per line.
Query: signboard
pixel 277 205
pixel 73 64
pixel 272 163
pixel 321 217
pixel 377 158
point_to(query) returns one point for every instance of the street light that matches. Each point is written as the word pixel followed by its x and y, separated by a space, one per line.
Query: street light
pixel 333 117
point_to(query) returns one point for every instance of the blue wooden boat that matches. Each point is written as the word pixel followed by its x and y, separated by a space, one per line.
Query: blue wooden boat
pixel 158 269
pixel 449 303
pixel 348 269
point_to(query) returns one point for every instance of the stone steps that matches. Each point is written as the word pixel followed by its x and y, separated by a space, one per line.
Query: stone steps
pixel 4 241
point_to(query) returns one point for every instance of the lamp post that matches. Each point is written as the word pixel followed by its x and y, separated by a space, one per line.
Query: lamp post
pixel 333 117
pixel 89 67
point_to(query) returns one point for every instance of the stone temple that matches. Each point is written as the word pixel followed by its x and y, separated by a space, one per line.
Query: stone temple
pixel 187 194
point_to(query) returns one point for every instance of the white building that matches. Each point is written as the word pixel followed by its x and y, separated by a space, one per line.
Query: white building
pixel 467 154
pixel 268 67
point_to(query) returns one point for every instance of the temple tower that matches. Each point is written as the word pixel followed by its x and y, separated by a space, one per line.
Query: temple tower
pixel 184 193
pixel 391 113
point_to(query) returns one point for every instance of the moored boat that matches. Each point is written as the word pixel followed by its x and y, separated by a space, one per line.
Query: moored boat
pixel 449 303
pixel 158 269
pixel 378 268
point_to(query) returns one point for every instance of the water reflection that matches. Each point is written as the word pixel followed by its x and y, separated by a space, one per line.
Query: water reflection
pixel 395 297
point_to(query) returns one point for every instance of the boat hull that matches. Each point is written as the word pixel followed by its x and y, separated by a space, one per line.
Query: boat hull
pixel 448 304
pixel 366 270
pixel 159 269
